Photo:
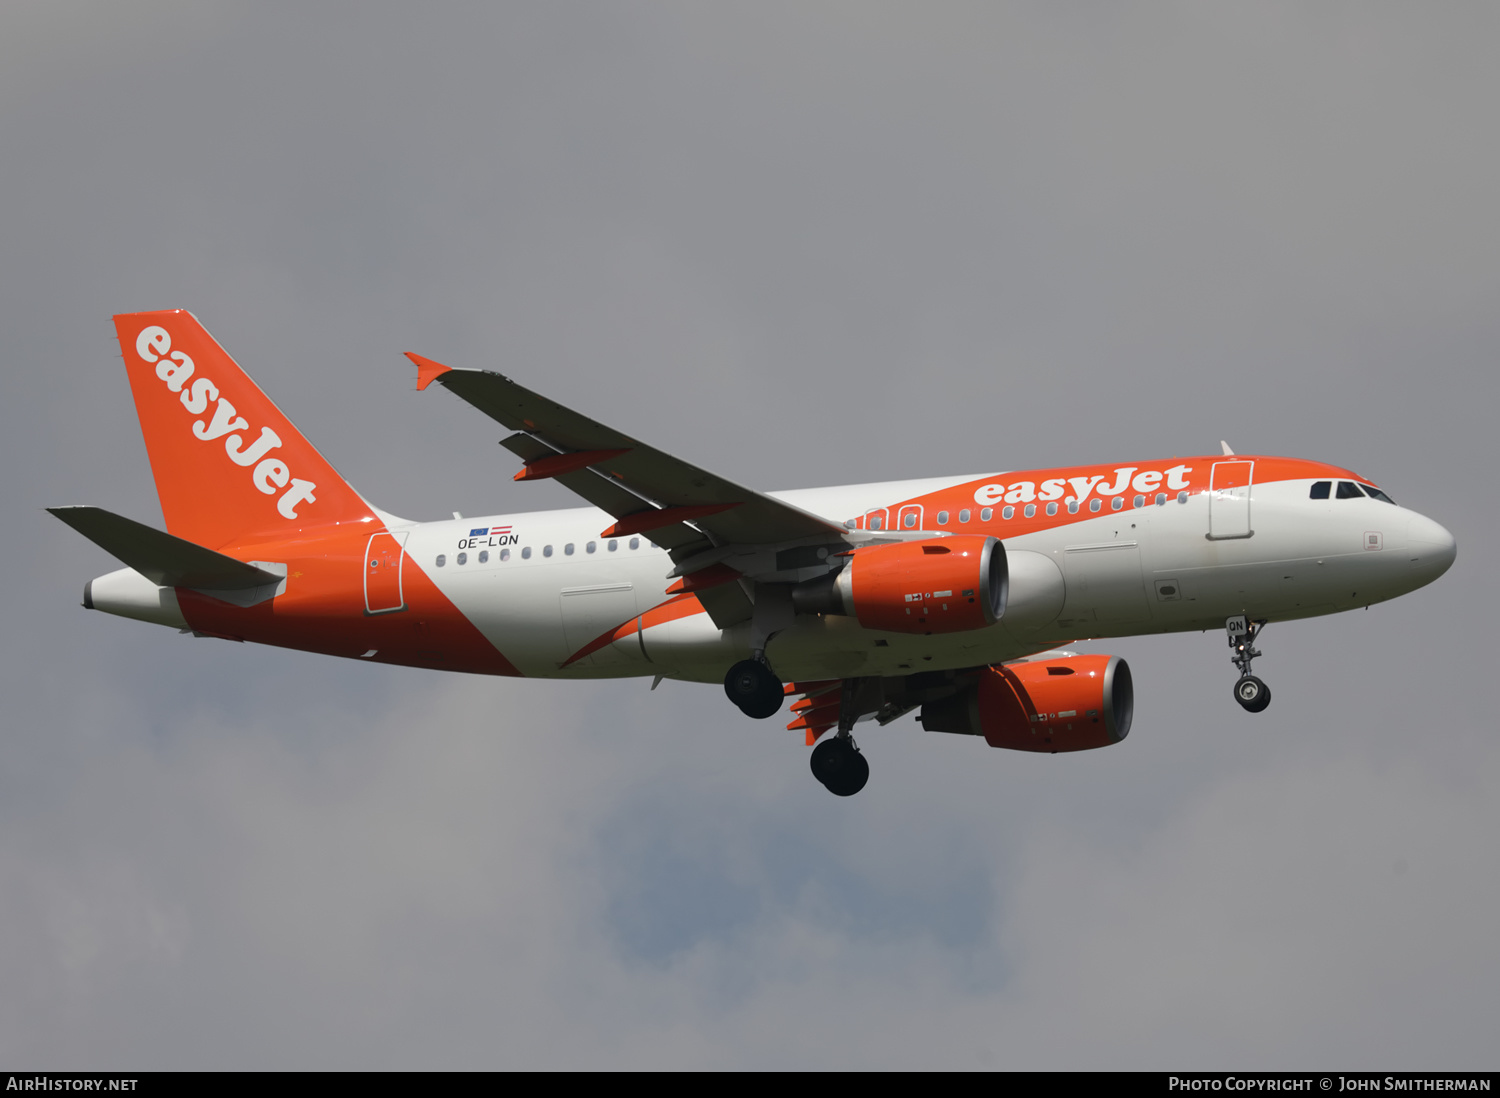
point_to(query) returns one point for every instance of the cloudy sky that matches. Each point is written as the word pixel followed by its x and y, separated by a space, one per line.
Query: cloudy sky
pixel 799 244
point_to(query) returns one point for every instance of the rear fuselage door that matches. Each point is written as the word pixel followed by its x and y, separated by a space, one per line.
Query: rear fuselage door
pixel 1229 499
pixel 383 557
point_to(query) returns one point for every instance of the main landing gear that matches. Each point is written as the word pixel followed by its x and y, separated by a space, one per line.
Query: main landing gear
pixel 752 686
pixel 1252 694
pixel 838 764
pixel 837 761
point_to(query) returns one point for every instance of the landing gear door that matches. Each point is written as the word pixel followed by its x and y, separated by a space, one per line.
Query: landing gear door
pixel 1229 500
pixel 383 560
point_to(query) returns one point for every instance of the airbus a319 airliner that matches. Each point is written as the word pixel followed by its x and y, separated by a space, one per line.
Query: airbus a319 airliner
pixel 951 597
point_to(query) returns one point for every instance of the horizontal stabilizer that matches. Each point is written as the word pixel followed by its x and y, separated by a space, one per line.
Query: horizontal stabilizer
pixel 163 559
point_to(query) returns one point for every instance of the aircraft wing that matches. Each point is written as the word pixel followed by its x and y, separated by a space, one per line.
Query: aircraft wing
pixel 648 491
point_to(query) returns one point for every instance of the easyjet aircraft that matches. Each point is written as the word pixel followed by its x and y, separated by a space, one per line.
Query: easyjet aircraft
pixel 949 596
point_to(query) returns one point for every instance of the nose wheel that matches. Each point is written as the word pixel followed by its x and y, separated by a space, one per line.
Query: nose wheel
pixel 1252 694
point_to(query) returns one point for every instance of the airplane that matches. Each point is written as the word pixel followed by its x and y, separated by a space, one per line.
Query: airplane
pixel 952 597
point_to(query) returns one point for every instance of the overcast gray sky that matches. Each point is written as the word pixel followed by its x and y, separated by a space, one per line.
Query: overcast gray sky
pixel 798 244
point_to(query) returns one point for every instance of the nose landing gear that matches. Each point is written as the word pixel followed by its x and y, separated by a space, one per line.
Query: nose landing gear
pixel 1252 694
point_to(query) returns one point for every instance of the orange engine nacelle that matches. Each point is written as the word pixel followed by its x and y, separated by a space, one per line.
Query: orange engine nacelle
pixel 940 585
pixel 1067 704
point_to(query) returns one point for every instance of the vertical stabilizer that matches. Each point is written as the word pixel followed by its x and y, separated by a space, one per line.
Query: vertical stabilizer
pixel 228 464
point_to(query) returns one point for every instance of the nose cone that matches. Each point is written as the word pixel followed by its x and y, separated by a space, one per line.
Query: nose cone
pixel 1431 549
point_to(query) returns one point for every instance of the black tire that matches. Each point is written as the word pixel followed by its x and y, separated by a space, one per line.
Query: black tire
pixel 1252 694
pixel 838 764
pixel 752 687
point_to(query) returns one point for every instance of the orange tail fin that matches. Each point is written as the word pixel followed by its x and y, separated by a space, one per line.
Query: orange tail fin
pixel 227 462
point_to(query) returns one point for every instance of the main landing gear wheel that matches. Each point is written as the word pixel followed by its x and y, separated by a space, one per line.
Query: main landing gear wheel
pixel 751 686
pixel 838 764
pixel 1252 694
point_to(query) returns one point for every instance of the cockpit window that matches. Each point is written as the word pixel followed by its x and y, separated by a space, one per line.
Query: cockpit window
pixel 1348 490
pixel 1320 489
pixel 1375 493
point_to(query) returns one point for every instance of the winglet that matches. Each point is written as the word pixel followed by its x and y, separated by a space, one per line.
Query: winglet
pixel 1227 451
pixel 428 371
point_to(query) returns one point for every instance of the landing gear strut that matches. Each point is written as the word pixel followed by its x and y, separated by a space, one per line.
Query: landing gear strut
pixel 837 762
pixel 751 686
pixel 1252 694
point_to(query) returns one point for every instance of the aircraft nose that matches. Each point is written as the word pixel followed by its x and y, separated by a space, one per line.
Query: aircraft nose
pixel 1431 548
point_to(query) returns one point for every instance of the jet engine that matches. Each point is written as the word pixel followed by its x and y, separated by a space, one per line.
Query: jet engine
pixel 1071 703
pixel 940 585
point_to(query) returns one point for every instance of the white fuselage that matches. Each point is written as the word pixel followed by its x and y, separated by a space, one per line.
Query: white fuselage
pixel 551 585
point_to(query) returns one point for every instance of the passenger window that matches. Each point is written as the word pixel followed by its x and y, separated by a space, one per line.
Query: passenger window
pixel 568 549
pixel 635 543
pixel 613 545
pixel 963 516
pixel 1116 503
pixel 1349 490
pixel 505 554
pixel 942 518
pixel 484 556
pixel 462 558
pixel 526 553
pixel 986 514
pixel 1051 508
pixel 546 550
pixel 441 560
pixel 851 523
pixel 590 547
pixel 1030 510
pixel 909 519
pixel 1161 499
pixel 1320 490
pixel 1095 504
pixel 1007 513
pixel 1072 507
pixel 1139 501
